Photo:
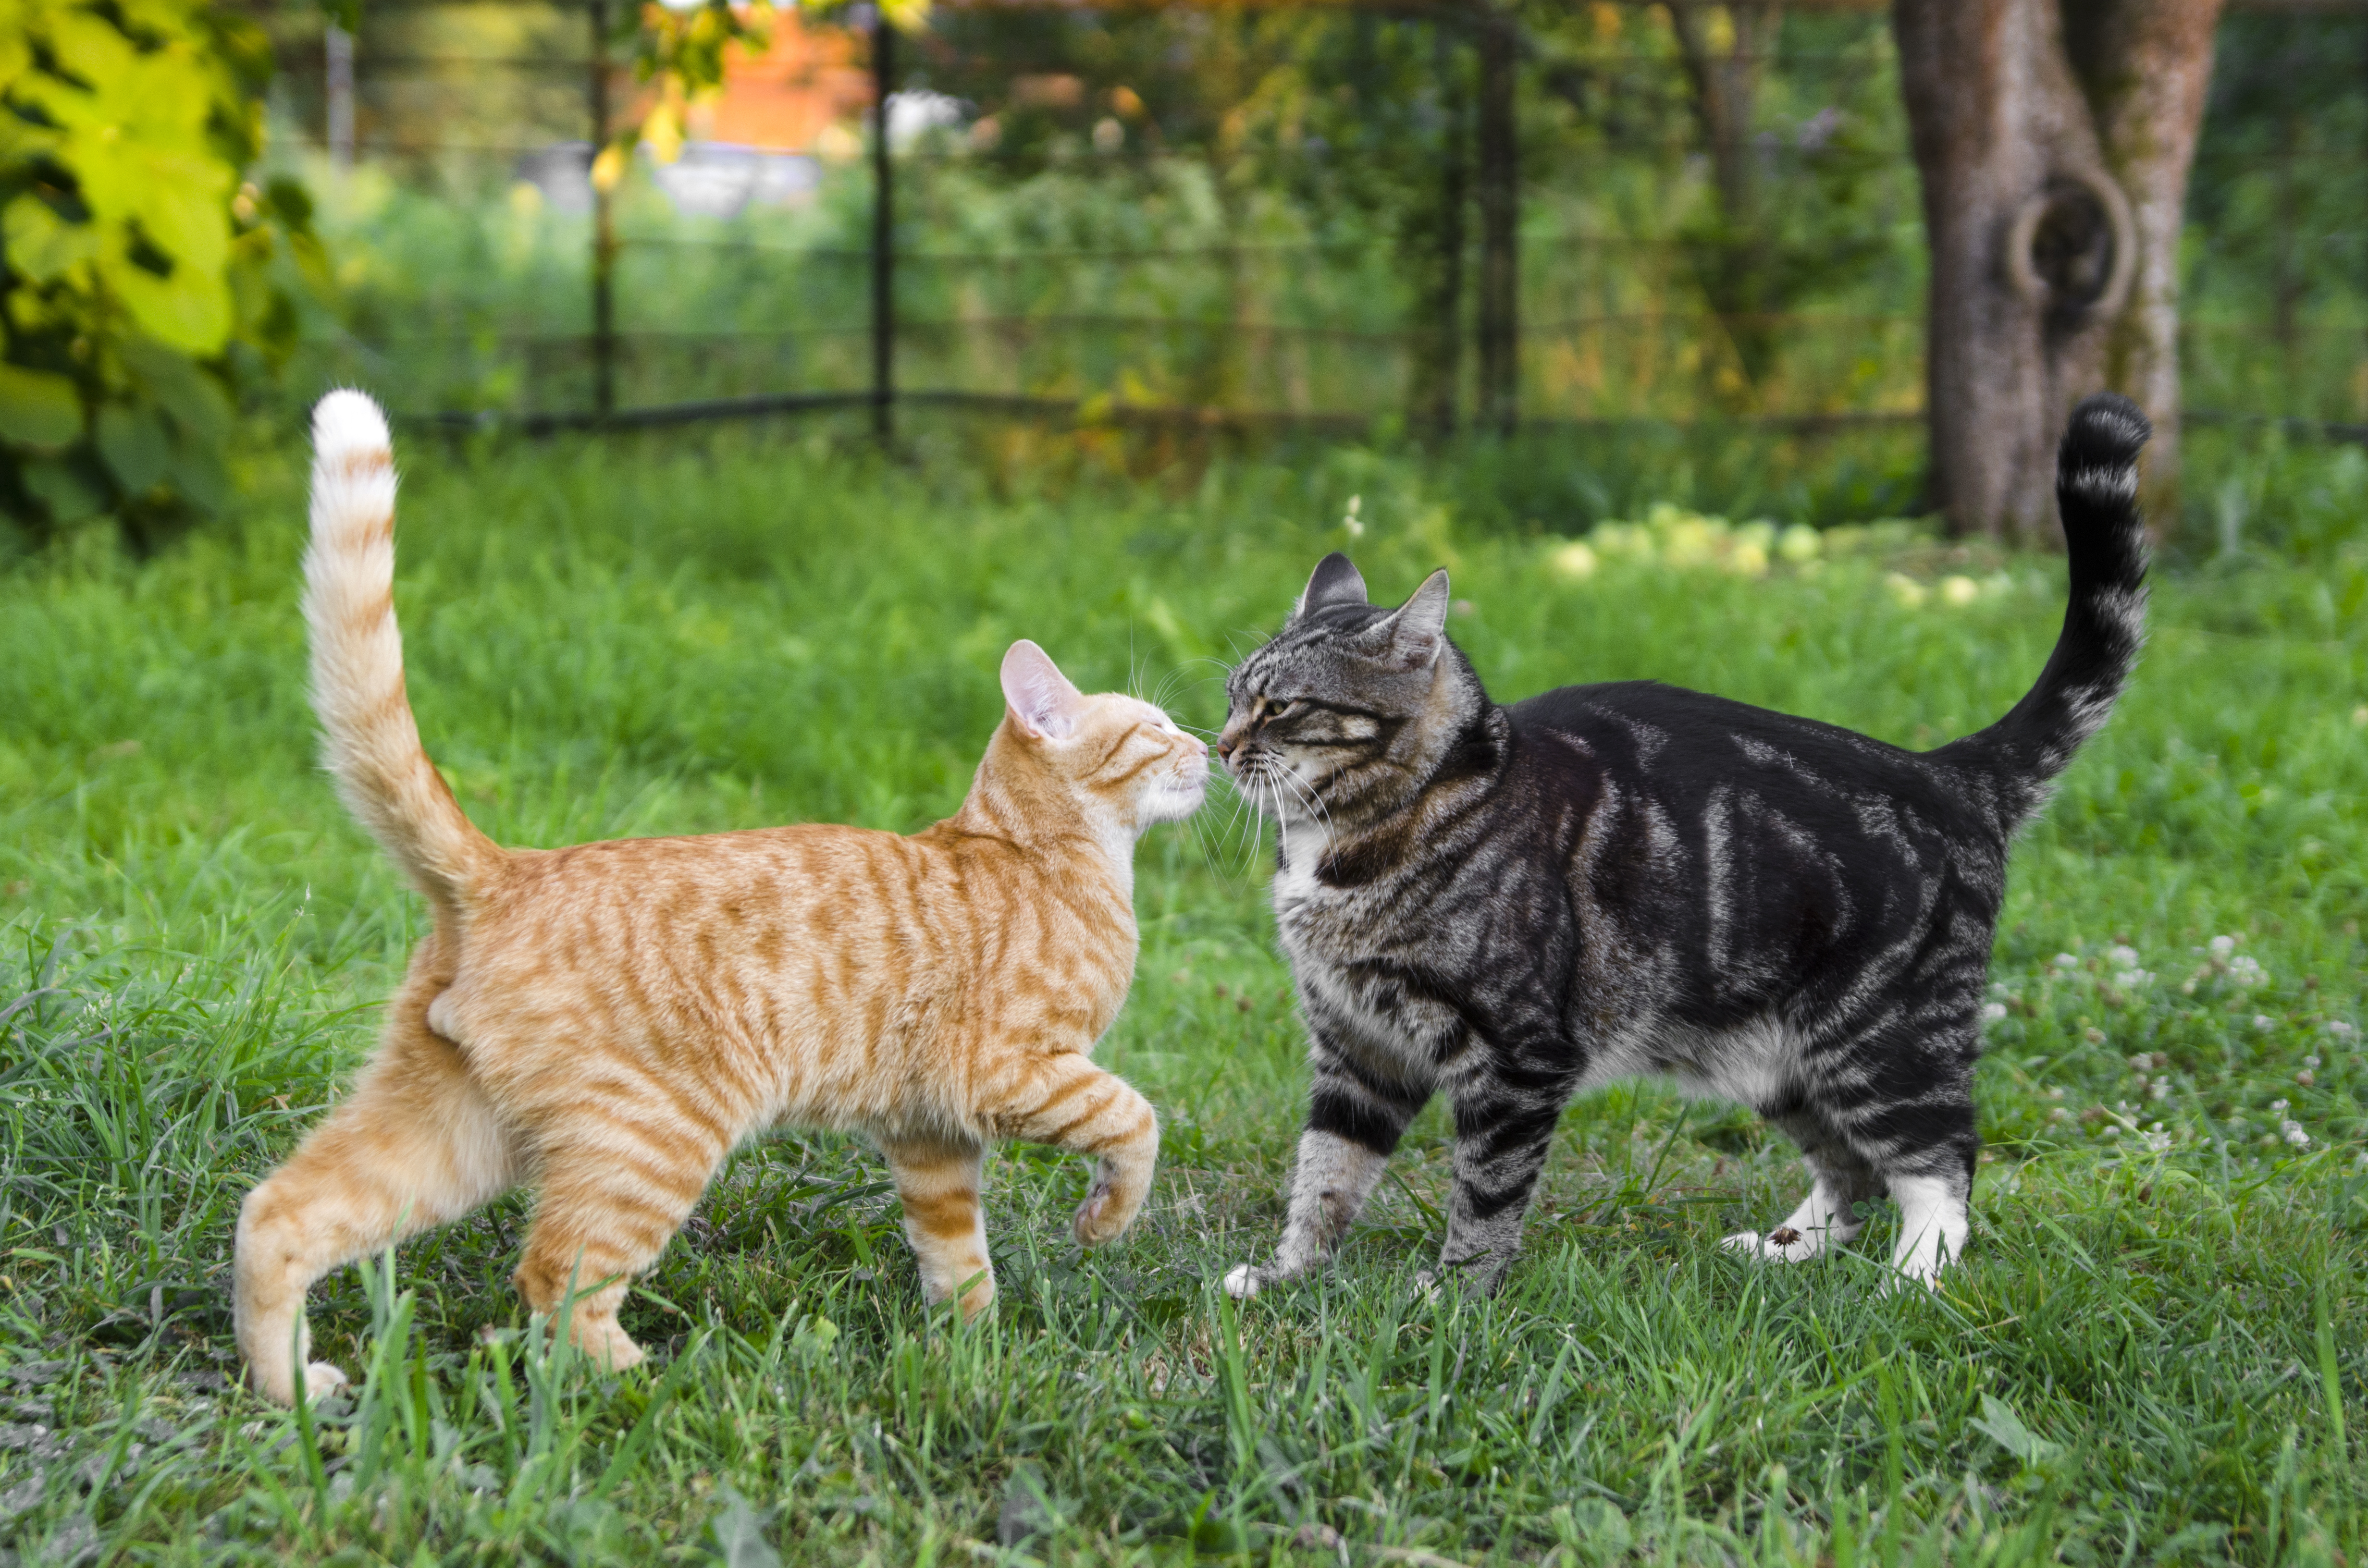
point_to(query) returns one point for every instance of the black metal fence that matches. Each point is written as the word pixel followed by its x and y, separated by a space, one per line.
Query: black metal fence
pixel 1417 216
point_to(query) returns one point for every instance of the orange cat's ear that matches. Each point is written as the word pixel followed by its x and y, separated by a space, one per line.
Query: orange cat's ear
pixel 1041 696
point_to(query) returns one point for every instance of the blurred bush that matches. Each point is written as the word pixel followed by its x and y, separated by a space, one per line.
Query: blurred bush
pixel 140 282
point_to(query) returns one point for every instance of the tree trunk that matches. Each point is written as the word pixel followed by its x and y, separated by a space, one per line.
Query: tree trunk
pixel 2054 137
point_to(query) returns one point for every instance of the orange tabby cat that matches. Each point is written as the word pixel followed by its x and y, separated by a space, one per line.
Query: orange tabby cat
pixel 607 1021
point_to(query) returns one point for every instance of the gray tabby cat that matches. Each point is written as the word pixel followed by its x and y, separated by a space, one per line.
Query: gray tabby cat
pixel 1515 905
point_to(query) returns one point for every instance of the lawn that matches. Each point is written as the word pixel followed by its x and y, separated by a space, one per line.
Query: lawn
pixel 2153 1352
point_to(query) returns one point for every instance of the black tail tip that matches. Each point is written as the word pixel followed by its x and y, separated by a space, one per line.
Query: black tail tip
pixel 2106 432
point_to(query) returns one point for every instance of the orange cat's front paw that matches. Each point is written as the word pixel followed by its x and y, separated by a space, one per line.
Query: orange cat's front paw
pixel 1102 1217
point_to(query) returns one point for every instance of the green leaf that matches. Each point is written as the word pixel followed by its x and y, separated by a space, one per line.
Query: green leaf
pixel 289 201
pixel 66 489
pixel 2006 1428
pixel 41 244
pixel 38 408
pixel 188 309
pixel 132 441
pixel 190 397
pixel 198 474
pixel 90 48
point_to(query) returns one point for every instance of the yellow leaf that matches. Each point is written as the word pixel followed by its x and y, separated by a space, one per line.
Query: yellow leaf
pixel 663 130
pixel 608 169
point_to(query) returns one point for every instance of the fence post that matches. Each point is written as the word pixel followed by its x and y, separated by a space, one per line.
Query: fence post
pixel 604 226
pixel 883 231
pixel 1500 211
pixel 1438 369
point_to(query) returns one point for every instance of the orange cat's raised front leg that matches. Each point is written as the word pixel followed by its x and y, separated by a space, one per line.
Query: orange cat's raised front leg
pixel 939 1181
pixel 1071 1104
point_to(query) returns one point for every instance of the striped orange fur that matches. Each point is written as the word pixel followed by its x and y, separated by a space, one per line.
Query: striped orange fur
pixel 607 1021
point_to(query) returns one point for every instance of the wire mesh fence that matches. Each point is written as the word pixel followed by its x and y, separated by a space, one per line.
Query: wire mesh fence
pixel 1332 216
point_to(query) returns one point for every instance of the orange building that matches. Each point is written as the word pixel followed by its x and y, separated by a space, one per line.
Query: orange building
pixel 782 100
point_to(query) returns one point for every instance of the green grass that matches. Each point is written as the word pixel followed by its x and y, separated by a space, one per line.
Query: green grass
pixel 2153 1351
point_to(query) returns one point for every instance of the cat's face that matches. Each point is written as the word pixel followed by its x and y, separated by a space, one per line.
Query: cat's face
pixel 1335 703
pixel 1115 762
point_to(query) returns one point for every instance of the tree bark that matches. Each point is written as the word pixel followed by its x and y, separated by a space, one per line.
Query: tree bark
pixel 2054 137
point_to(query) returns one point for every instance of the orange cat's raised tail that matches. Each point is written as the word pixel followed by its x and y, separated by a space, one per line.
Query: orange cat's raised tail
pixel 370 743
pixel 607 1021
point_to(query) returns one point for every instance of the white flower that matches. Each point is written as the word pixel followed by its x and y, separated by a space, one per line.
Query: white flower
pixel 2131 979
pixel 2127 958
pixel 2060 1114
pixel 1993 1011
pixel 2311 1061
pixel 2246 970
pixel 2294 1134
pixel 2340 1029
pixel 2278 1108
pixel 2067 962
pixel 2264 1022
pixel 2222 946
pixel 2158 1141
pixel 2160 1091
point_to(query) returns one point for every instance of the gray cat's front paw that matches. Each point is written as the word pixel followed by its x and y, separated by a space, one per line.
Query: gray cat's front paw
pixel 1475 1277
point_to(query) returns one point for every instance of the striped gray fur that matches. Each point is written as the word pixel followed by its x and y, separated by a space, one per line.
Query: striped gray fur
pixel 1513 905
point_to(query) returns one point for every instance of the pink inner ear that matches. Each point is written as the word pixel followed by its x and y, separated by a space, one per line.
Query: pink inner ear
pixel 1040 694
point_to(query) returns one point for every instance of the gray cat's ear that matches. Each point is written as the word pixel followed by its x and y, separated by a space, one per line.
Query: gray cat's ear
pixel 1415 632
pixel 1334 582
pixel 1039 696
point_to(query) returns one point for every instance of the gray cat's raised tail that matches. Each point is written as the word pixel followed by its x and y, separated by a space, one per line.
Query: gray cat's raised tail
pixel 2104 624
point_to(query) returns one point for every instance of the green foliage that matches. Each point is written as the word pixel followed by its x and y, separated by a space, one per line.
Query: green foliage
pixel 138 278
pixel 2152 1353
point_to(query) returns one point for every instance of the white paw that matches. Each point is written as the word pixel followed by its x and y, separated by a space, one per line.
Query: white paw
pixel 1242 1283
pixel 322 1379
pixel 1782 1244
